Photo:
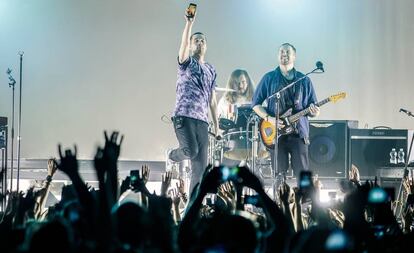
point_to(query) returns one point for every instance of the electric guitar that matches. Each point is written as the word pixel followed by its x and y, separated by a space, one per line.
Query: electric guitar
pixel 268 131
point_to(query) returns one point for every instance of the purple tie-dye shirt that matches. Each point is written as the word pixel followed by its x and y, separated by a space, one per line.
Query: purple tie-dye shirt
pixel 195 83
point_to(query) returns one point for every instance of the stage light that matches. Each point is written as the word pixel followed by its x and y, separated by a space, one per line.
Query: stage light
pixel 329 196
pixel 324 196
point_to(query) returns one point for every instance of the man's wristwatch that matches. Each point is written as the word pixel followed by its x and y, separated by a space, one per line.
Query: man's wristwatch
pixel 49 179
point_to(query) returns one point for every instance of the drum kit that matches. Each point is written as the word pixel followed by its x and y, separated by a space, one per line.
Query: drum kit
pixel 240 142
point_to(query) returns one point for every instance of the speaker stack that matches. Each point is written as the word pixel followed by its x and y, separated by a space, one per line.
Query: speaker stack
pixel 328 149
pixel 337 144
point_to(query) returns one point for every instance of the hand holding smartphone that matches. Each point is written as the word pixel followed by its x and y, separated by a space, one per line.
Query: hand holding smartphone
pixel 191 10
pixel 305 185
pixel 134 178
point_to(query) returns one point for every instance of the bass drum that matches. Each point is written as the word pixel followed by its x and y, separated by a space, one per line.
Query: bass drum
pixel 237 145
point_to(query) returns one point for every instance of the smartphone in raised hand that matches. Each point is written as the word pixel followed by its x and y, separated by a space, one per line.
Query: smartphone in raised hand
pixel 134 177
pixel 191 10
pixel 305 185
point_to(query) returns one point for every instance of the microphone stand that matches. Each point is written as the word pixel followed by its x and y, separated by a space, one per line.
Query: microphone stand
pixel 279 176
pixel 12 85
pixel 21 53
pixel 405 175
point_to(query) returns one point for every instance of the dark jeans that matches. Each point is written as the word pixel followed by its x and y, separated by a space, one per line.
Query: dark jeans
pixel 298 150
pixel 192 135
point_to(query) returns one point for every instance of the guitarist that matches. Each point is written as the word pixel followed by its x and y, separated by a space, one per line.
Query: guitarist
pixel 298 97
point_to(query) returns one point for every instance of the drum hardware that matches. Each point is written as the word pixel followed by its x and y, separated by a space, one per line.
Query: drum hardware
pixel 226 124
pixel 255 141
pixel 215 148
pixel 241 141
pixel 243 114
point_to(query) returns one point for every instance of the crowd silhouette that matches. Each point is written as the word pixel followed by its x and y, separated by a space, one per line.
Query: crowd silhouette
pixel 218 216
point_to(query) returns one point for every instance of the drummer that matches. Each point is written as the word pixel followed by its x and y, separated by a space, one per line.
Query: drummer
pixel 239 92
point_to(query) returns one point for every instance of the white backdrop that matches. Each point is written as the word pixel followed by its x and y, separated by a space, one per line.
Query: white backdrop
pixel 91 65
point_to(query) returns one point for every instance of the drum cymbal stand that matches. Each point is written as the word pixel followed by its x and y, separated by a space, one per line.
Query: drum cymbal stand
pixel 255 142
pixel 252 156
pixel 215 148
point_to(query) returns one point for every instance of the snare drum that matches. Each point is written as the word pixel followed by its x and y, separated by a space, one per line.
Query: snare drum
pixel 238 145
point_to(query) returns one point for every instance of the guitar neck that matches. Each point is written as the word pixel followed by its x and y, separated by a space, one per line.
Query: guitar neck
pixel 295 117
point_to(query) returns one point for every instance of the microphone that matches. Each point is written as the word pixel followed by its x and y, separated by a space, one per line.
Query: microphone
pixel 406 112
pixel 11 79
pixel 319 65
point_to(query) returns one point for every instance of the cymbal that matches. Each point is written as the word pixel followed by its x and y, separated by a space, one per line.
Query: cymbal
pixel 226 124
pixel 224 89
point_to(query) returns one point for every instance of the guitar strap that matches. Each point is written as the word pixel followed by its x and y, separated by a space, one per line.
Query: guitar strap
pixel 292 97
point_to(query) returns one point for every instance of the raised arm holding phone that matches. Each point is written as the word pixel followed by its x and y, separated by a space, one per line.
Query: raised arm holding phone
pixel 195 97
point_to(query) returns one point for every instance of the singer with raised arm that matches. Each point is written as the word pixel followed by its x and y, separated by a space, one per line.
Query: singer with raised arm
pixel 298 97
pixel 195 96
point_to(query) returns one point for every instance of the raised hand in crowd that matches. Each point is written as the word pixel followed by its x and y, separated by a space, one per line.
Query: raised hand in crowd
pixel 112 148
pixel 284 195
pixel 25 207
pixel 111 152
pixel 407 218
pixel 354 175
pixel 228 189
pixel 69 165
pixel 317 185
pixel 278 228
pixel 227 194
pixel 43 193
pixel 162 223
pixel 100 165
pixel 145 173
pixel 165 182
pixel 11 204
pixel 297 209
pixel 408 185
pixel 52 167
pixel 68 162
pixel 336 216
pixel 11 208
pixel 105 162
pixel 137 183
pixel 142 180
pixel 296 196
pixel 125 185
pixel 181 190
pixel 176 199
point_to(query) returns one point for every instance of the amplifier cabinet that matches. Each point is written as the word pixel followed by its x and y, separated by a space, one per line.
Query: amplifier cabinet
pixel 369 149
pixel 328 149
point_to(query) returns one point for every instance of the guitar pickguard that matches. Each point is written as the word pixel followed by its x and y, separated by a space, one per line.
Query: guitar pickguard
pixel 268 130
